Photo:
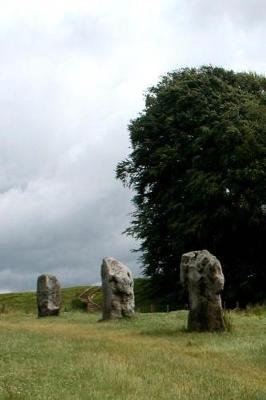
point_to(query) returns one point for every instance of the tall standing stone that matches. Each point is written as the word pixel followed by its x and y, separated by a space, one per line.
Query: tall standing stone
pixel 118 292
pixel 48 295
pixel 201 273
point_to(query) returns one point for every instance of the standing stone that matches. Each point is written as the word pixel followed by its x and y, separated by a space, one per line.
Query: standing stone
pixel 201 273
pixel 48 295
pixel 117 286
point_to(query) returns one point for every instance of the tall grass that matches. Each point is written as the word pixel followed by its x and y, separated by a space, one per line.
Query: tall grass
pixel 151 357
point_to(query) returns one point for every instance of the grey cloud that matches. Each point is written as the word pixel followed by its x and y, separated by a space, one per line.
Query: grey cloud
pixel 243 14
pixel 71 244
pixel 72 76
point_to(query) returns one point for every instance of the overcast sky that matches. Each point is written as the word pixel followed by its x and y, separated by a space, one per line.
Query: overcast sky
pixel 73 74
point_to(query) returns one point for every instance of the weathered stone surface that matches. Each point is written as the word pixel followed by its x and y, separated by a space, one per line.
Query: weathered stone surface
pixel 201 273
pixel 48 295
pixel 118 291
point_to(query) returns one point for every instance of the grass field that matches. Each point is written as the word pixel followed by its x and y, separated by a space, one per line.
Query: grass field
pixel 152 357
pixel 26 301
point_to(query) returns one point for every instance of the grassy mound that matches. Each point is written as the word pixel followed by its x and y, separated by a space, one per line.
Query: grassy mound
pixel 26 301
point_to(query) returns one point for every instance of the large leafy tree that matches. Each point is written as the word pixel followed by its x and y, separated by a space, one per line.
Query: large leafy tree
pixel 198 169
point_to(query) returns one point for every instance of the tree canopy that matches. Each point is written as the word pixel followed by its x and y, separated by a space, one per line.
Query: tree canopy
pixel 198 169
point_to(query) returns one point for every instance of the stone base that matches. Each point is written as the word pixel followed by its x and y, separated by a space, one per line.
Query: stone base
pixel 206 317
pixel 44 312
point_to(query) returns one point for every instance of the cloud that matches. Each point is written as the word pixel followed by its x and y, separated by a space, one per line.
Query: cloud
pixel 72 76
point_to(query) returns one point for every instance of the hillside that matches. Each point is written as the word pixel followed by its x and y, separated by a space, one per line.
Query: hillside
pixel 26 301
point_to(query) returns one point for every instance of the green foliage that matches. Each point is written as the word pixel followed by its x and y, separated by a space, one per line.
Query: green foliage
pixel 256 309
pixel 198 169
pixel 228 320
pixel 142 291
pixel 145 300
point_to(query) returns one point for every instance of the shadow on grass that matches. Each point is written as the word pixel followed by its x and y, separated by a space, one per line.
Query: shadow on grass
pixel 170 332
pixel 167 332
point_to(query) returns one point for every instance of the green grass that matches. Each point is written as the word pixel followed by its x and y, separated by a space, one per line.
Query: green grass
pixel 151 357
pixel 26 301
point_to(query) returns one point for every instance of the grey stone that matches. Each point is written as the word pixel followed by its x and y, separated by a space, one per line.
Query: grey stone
pixel 118 291
pixel 48 296
pixel 201 273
